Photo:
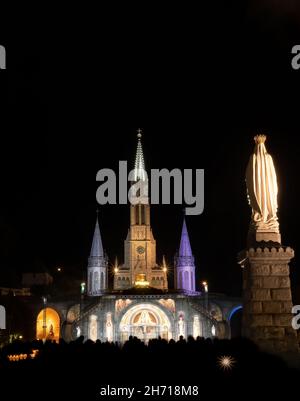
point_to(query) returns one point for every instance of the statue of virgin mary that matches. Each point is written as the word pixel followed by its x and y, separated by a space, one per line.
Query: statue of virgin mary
pixel 262 189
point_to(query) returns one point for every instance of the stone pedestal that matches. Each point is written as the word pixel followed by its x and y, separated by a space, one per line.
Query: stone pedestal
pixel 255 236
pixel 267 298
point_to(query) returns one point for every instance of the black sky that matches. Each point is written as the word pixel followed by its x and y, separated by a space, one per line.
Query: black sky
pixel 201 85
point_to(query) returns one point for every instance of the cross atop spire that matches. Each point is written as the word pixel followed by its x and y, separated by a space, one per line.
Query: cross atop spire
pixel 139 165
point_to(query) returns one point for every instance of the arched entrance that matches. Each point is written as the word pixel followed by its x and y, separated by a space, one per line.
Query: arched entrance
pixel 235 319
pixel 145 321
pixel 48 325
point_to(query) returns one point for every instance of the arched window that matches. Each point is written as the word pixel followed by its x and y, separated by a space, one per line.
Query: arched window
pixel 180 280
pixel 102 281
pixel 96 282
pixel 192 282
pixel 90 282
pixel 186 280
pixel 93 328
pixel 196 327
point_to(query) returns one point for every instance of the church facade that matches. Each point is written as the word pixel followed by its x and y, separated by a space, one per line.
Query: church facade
pixel 140 303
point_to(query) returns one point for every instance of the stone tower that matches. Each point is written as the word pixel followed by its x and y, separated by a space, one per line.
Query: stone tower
pixel 185 263
pixel 140 267
pixel 97 266
pixel 267 298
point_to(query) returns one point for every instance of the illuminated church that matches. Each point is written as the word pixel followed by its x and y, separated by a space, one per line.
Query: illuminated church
pixel 140 303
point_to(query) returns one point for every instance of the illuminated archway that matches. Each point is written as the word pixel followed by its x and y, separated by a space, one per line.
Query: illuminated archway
pixel 235 321
pixel 145 321
pixel 234 310
pixel 93 328
pixel 48 325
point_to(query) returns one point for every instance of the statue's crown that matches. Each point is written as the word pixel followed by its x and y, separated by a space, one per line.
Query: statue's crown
pixel 260 139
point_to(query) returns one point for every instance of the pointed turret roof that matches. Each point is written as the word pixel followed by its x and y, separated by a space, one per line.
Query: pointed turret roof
pixel 185 245
pixel 164 263
pixel 139 165
pixel 97 247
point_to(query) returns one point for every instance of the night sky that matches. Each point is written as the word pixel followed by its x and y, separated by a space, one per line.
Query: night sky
pixel 201 85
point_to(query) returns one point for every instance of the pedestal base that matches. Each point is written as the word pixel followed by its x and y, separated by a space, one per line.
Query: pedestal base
pixel 254 237
pixel 268 236
pixel 267 299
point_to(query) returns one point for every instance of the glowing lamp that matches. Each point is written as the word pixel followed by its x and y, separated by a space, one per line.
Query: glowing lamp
pixel 141 281
pixel 226 362
pixel 205 285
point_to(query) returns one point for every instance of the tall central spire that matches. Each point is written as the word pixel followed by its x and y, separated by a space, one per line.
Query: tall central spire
pixel 139 165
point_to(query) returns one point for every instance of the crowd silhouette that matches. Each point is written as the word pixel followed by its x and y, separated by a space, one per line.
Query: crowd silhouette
pixel 82 366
